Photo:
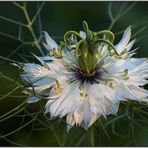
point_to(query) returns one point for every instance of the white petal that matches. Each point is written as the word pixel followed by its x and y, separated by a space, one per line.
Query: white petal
pixel 124 41
pixel 82 34
pixel 50 42
pixel 41 61
pixel 33 99
pixel 36 70
pixel 37 75
pixel 70 121
pixel 93 118
pixel 78 116
pixel 43 90
pixel 126 92
pixel 103 50
pixel 139 92
pixel 69 98
pixel 130 45
pixel 113 108
pixel 46 58
pixel 86 114
pixel 56 106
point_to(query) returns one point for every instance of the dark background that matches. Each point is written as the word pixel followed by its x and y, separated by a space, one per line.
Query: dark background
pixel 57 18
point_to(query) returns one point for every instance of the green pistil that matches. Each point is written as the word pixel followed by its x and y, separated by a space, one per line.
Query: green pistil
pixel 86 58
pixel 86 50
pixel 68 35
pixel 106 33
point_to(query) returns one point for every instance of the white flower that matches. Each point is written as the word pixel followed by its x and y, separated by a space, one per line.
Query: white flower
pixel 88 81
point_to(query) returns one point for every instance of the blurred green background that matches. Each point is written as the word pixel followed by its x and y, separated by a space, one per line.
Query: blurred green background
pixel 57 18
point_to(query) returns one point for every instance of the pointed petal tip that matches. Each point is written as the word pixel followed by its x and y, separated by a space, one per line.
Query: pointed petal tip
pixel 16 65
pixel 39 59
pixel 129 28
pixel 49 42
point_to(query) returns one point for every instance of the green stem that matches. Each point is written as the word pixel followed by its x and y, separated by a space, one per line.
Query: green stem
pixel 10 79
pixel 91 137
pixel 13 21
pixel 18 5
pixel 121 15
pixel 9 93
pixel 36 42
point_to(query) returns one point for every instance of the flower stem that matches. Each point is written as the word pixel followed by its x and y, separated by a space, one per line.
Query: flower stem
pixel 91 136
pixel 120 15
pixel 36 42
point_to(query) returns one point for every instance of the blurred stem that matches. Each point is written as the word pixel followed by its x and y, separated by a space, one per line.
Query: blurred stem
pixel 36 42
pixel 120 15
pixel 10 79
pixel 15 3
pixel 91 136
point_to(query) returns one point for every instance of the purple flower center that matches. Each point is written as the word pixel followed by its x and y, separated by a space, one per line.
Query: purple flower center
pixel 92 77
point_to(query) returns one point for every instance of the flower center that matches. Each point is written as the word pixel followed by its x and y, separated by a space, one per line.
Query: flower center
pixel 86 53
pixel 91 77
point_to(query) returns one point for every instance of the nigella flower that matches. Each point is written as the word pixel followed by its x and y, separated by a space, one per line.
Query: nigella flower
pixel 86 76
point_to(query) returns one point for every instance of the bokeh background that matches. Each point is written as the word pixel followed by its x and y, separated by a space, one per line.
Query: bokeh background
pixel 24 124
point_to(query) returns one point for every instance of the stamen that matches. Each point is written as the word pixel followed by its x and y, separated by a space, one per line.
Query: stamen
pixel 58 89
pixel 125 73
pixel 120 75
pixel 109 83
pixel 96 55
pixel 46 66
pixel 83 95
